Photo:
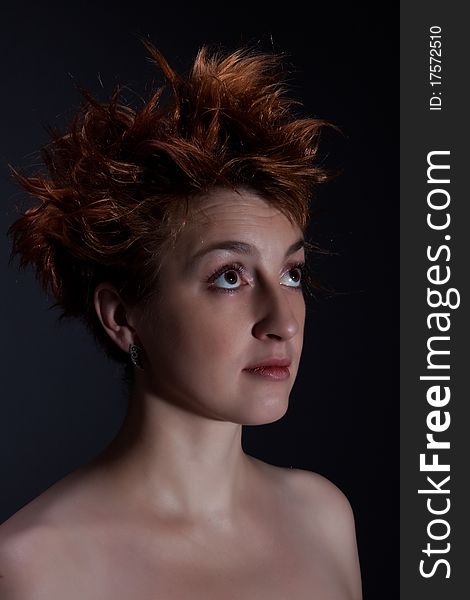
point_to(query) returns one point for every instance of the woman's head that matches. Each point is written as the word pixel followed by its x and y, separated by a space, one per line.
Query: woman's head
pixel 123 186
pixel 230 297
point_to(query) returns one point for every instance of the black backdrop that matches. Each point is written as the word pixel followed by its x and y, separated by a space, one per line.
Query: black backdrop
pixel 61 401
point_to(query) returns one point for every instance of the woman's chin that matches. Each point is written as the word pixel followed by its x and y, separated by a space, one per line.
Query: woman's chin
pixel 266 411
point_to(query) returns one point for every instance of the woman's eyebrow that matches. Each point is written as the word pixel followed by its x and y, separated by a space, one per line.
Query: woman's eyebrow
pixel 238 247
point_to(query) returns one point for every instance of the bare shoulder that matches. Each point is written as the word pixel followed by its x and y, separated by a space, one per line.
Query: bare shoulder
pixel 309 490
pixel 34 541
pixel 319 501
pixel 26 553
pixel 320 494
pixel 325 512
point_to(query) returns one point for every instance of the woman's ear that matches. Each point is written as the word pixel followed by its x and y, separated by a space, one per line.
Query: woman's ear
pixel 115 316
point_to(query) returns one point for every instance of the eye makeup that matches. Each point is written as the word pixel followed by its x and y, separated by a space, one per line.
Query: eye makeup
pixel 243 273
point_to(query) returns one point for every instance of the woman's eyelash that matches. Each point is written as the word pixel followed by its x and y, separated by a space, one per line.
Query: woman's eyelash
pixel 239 268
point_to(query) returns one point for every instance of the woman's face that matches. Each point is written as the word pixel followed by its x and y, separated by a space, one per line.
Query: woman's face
pixel 229 298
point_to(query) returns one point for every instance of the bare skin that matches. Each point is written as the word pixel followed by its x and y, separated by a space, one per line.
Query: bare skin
pixel 174 509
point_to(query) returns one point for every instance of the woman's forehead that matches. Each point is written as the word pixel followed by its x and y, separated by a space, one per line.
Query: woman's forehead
pixel 228 218
pixel 235 210
pixel 220 200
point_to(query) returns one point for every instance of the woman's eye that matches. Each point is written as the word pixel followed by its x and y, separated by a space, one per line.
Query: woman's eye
pixel 228 279
pixel 294 276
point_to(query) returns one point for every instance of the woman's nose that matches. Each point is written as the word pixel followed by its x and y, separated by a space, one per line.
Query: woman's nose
pixel 278 315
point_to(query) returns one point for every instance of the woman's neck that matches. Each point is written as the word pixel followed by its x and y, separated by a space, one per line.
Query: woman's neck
pixel 175 462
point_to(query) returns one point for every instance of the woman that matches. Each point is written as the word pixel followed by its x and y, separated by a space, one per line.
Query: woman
pixel 177 234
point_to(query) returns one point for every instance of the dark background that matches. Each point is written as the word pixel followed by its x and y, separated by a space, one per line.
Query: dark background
pixel 61 400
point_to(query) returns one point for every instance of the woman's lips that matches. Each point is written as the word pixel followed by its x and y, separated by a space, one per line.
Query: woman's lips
pixel 268 372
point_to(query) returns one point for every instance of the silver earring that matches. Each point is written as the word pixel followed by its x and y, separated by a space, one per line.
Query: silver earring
pixel 136 355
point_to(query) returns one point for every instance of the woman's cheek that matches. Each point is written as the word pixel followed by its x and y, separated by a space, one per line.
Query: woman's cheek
pixel 217 335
